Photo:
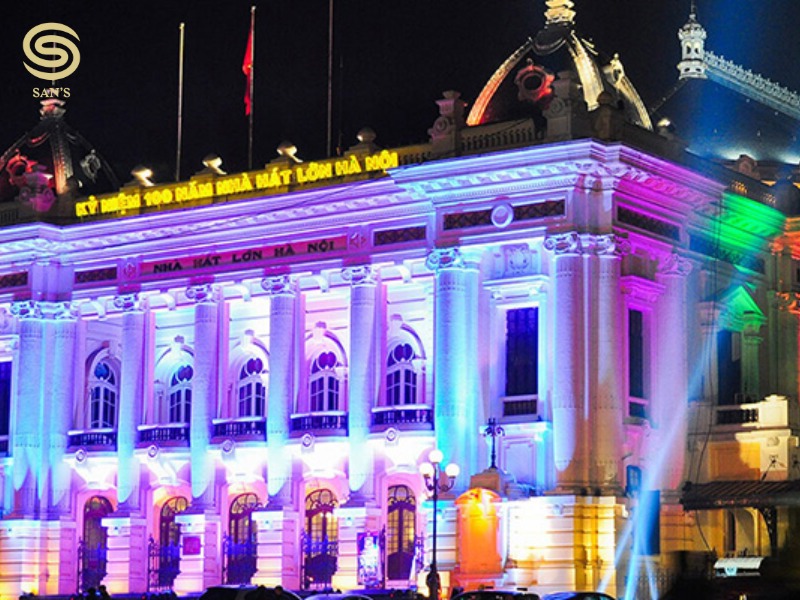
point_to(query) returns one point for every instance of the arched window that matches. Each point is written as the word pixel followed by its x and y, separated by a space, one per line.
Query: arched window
pixel 180 394
pixel 169 530
pixel 103 391
pixel 400 532
pixel 321 538
pixel 401 378
pixel 252 391
pixel 323 383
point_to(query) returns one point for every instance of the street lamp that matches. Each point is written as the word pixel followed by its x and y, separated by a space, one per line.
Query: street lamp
pixel 437 481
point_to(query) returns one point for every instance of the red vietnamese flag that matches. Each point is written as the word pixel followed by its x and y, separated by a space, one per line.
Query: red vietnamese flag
pixel 247 69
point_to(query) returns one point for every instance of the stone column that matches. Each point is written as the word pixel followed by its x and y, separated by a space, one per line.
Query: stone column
pixel 454 433
pixel 204 391
pixel 282 361
pixel 200 552
pixel 278 548
pixel 785 332
pixel 130 400
pixel 362 384
pixel 26 441
pixel 607 391
pixel 670 405
pixel 569 424
pixel 59 404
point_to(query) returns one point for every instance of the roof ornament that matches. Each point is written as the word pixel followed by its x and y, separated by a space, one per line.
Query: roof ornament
pixel 692 37
pixel 559 11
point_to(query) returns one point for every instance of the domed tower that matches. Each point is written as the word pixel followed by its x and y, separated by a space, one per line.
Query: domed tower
pixel 526 83
pixel 692 37
pixel 51 165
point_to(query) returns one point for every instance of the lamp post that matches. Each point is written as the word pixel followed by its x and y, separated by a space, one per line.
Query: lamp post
pixel 437 481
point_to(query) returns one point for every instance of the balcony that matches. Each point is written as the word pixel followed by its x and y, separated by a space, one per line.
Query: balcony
pixel 329 423
pixel 404 417
pixel 4 445
pixel 172 434
pixel 774 411
pixel 96 439
pixel 240 429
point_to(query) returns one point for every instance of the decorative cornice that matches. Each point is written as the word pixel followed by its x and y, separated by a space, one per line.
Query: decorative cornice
pixel 276 285
pixel 360 275
pixel 445 258
pixel 41 309
pixel 563 243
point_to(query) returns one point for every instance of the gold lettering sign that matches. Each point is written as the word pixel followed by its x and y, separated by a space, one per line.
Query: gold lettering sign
pixel 247 255
pixel 270 180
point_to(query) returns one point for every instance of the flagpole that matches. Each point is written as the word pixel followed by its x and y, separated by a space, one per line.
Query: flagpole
pixel 251 80
pixel 330 77
pixel 180 103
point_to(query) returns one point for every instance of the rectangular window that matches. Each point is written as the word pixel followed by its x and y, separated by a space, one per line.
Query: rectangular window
pixel 729 367
pixel 636 354
pixel 5 401
pixel 522 351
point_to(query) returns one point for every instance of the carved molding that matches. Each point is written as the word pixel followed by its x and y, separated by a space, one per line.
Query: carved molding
pixel 40 309
pixel 608 244
pixel 128 302
pixel 674 264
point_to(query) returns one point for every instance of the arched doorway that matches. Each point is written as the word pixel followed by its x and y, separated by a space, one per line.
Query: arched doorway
pixel 165 556
pixel 240 543
pixel 320 539
pixel 93 545
pixel 401 529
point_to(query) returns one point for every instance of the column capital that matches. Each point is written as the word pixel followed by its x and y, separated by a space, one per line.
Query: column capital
pixel 674 264
pixel 204 292
pixel 26 309
pixel 40 309
pixel 360 275
pixel 445 258
pixel 563 243
pixel 786 301
pixel 606 244
pixel 276 285
pixel 129 303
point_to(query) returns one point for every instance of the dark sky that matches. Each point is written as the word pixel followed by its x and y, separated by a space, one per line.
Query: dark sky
pixel 393 57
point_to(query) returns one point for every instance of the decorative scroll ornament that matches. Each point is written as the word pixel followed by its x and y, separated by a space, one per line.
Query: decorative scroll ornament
pixel 37 309
pixel 278 285
pixel 360 275
pixel 204 292
pixel 563 243
pixel 787 301
pixel 674 264
pixel 445 258
pixel 127 302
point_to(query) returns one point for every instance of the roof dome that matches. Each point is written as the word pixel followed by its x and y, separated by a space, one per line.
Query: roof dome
pixel 555 48
pixel 52 164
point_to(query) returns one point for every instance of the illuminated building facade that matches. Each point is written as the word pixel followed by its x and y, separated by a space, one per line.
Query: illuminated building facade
pixel 237 378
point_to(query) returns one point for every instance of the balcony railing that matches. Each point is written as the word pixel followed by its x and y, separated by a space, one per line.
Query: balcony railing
pixel 321 423
pixel 93 438
pixel 737 416
pixel 4 445
pixel 243 428
pixel 171 434
pixel 516 406
pixel 408 416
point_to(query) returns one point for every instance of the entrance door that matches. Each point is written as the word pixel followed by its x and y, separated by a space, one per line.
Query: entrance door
pixel 93 546
pixel 240 544
pixel 400 532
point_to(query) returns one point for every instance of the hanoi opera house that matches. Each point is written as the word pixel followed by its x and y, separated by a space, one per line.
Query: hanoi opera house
pixel 237 378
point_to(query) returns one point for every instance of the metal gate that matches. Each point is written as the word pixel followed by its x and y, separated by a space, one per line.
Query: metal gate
pixel 91 565
pixel 239 558
pixel 320 560
pixel 163 565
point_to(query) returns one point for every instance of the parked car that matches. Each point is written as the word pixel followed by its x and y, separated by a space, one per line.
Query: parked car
pixel 247 592
pixel 497 595
pixel 578 596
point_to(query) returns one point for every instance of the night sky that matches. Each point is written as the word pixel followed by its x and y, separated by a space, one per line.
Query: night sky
pixel 393 59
